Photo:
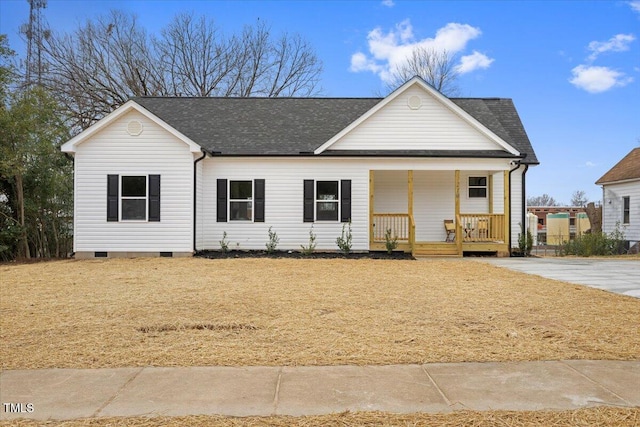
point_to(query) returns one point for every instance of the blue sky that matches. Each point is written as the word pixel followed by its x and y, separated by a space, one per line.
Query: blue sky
pixel 571 67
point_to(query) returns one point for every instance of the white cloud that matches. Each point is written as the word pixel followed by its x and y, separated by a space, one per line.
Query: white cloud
pixel 389 50
pixel 617 43
pixel 473 62
pixel 597 79
pixel 360 62
pixel 635 5
pixel 589 164
pixel 388 3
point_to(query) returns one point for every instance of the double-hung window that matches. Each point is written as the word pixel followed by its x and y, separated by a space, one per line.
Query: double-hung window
pixel 134 198
pixel 626 209
pixel 241 200
pixel 477 187
pixel 327 198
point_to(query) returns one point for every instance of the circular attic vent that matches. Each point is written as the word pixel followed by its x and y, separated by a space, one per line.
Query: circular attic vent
pixel 134 128
pixel 414 102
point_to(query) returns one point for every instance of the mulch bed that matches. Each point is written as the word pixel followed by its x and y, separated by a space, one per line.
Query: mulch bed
pixel 299 255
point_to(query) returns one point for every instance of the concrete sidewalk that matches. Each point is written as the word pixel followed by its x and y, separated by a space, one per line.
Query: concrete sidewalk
pixel 262 391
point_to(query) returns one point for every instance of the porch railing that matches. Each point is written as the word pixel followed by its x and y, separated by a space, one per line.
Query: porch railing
pixel 398 223
pixel 481 227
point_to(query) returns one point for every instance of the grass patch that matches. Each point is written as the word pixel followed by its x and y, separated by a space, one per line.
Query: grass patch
pixel 274 312
pixel 195 327
pixel 593 417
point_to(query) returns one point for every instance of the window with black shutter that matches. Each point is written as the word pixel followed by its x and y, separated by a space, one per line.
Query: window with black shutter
pixel 240 200
pixel 327 200
pixel 112 197
pixel 133 198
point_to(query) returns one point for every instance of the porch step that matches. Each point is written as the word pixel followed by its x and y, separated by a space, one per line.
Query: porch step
pixel 435 249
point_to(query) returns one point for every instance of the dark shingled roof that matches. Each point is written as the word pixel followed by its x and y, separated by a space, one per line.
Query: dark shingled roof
pixel 627 168
pixel 294 126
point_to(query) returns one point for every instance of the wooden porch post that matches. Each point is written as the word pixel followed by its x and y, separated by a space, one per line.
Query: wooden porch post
pixel 410 192
pixel 457 213
pixel 410 207
pixel 371 237
pixel 507 209
pixel 490 189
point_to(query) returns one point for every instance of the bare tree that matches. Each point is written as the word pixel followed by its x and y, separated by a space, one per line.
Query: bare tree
pixel 107 61
pixel 286 66
pixel 100 66
pixel 195 56
pixel 436 67
pixel 544 200
pixel 579 198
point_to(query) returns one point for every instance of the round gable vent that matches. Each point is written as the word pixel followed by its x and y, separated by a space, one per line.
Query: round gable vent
pixel 134 128
pixel 414 102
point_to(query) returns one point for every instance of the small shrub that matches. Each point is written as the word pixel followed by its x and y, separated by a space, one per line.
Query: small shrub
pixel 344 242
pixel 273 241
pixel 391 243
pixel 311 246
pixel 224 243
pixel 595 244
pixel 525 244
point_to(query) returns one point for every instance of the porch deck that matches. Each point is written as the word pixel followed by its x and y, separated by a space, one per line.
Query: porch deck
pixel 475 232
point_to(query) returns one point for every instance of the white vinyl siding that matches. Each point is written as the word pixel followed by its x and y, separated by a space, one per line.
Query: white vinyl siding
pixel 612 209
pixel 200 219
pixel 498 192
pixel 390 191
pixel 431 127
pixel 284 188
pixel 472 204
pixel 113 151
pixel 433 202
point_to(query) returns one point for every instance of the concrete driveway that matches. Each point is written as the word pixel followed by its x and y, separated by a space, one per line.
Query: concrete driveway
pixel 620 276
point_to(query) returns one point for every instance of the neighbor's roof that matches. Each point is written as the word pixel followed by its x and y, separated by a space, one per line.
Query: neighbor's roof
pixel 625 169
pixel 294 126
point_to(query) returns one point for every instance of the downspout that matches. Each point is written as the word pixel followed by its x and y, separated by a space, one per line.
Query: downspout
pixel 524 205
pixel 509 219
pixel 195 196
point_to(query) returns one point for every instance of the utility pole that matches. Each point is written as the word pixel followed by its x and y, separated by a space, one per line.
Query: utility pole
pixel 34 31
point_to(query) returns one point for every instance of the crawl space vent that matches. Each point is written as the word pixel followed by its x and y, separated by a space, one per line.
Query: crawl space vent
pixel 134 128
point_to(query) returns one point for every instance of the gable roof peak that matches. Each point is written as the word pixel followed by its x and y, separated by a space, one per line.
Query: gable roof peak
pixel 626 169
pixel 439 97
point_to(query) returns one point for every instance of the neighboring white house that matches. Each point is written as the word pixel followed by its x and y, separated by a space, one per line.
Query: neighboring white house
pixel 168 176
pixel 621 197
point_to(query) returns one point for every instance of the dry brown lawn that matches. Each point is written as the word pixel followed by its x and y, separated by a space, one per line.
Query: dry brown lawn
pixel 197 312
pixel 592 417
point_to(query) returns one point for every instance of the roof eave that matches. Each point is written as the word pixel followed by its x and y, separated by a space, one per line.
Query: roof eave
pixel 620 181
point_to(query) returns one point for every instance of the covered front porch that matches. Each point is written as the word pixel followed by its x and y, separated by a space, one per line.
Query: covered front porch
pixel 415 207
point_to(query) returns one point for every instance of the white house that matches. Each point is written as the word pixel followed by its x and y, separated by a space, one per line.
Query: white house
pixel 168 176
pixel 621 197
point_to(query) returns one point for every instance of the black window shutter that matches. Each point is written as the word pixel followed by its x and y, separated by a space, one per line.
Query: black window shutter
pixel 112 197
pixel 345 200
pixel 308 200
pixel 222 200
pixel 154 197
pixel 258 197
